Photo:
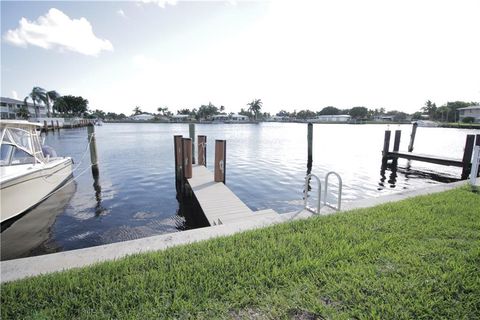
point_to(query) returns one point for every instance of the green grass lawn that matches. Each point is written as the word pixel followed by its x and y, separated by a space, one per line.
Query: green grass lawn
pixel 418 258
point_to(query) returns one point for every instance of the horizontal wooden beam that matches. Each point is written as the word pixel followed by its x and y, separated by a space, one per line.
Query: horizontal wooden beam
pixel 426 158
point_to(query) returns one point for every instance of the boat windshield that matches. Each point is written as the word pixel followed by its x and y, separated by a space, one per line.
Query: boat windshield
pixel 24 139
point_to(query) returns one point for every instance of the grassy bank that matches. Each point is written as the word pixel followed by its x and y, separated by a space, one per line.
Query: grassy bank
pixel 419 258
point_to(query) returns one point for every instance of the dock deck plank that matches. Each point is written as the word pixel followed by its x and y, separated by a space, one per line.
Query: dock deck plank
pixel 219 204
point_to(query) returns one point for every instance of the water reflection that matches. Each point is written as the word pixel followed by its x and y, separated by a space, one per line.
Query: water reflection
pixel 27 235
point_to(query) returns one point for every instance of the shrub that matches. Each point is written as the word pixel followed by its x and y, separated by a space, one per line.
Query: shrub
pixel 468 120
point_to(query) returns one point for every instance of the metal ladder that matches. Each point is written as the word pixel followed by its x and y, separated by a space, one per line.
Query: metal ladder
pixel 325 204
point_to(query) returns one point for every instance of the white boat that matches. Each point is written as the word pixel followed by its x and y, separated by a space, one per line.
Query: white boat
pixel 28 172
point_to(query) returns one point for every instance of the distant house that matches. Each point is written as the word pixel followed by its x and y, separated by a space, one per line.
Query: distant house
pixel 9 108
pixel 473 112
pixel 332 118
pixel 281 118
pixel 238 118
pixel 220 117
pixel 181 118
pixel 142 117
pixel 383 118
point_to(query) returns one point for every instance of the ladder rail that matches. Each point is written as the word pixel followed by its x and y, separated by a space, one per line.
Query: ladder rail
pixel 319 203
pixel 340 184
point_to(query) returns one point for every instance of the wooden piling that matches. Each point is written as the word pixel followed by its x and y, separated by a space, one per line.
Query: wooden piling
pixel 412 136
pixel 58 126
pixel 191 129
pixel 467 155
pixel 177 150
pixel 187 157
pixel 220 160
pixel 93 149
pixel 386 143
pixel 45 126
pixel 396 141
pixel 53 126
pixel 310 147
pixel 202 150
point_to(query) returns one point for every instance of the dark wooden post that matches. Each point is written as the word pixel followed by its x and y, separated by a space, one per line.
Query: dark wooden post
pixel 93 149
pixel 202 150
pixel 386 143
pixel 187 157
pixel 310 147
pixel 191 129
pixel 58 126
pixel 386 146
pixel 396 142
pixel 45 126
pixel 467 156
pixel 220 160
pixel 412 137
pixel 53 126
pixel 177 149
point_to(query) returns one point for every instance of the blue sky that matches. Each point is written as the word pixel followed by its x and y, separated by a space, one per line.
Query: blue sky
pixel 290 54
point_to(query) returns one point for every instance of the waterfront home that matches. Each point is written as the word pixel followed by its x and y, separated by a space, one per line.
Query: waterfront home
pixel 220 118
pixel 238 118
pixel 382 118
pixel 332 118
pixel 142 117
pixel 473 112
pixel 181 118
pixel 9 108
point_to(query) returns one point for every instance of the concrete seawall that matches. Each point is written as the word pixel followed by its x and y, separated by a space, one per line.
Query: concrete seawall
pixel 27 267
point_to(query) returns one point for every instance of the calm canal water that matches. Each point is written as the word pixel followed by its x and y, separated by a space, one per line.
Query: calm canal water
pixel 266 165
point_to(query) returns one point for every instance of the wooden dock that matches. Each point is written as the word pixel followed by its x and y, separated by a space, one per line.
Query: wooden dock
pixel 219 204
pixel 427 158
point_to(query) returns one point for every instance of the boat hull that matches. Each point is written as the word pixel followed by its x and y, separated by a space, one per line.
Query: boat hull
pixel 22 192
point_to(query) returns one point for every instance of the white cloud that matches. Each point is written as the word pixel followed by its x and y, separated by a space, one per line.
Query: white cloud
pixel 121 13
pixel 161 3
pixel 56 30
pixel 14 94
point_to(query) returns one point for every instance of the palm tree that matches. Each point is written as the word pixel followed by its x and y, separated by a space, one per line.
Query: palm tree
pixel 137 111
pixel 37 95
pixel 51 97
pixel 255 106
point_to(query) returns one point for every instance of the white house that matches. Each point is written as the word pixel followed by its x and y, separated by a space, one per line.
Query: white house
pixel 181 118
pixel 142 117
pixel 473 111
pixel 9 108
pixel 332 118
pixel 238 118
pixel 220 117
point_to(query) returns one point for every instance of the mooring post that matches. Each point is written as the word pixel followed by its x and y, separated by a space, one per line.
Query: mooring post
pixel 467 155
pixel 53 126
pixel 45 126
pixel 58 126
pixel 386 146
pixel 177 150
pixel 187 157
pixel 310 147
pixel 93 149
pixel 202 150
pixel 412 136
pixel 220 160
pixel 396 142
pixel 191 129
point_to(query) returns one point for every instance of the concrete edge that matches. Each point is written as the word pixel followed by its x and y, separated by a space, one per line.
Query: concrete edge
pixel 17 269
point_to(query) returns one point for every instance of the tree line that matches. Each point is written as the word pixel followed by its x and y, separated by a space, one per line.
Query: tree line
pixel 67 105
